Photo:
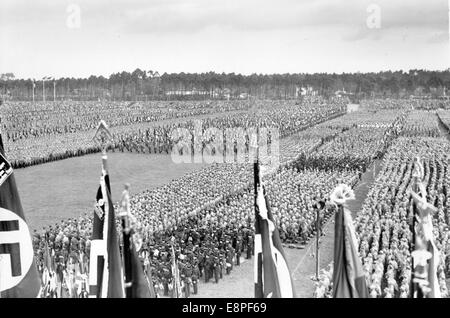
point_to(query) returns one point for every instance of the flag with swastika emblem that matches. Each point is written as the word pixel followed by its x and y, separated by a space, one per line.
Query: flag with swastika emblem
pixel 18 273
pixel 105 266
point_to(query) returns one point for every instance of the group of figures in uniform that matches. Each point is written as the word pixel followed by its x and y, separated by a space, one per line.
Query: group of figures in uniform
pixel 62 257
pixel 201 255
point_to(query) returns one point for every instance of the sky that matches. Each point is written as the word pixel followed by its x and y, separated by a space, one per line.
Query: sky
pixel 79 38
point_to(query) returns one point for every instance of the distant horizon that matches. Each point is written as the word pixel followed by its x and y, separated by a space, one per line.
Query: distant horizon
pixel 236 73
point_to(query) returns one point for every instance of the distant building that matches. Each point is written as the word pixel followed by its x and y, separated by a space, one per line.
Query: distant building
pixel 305 91
pixel 187 92
pixel 343 93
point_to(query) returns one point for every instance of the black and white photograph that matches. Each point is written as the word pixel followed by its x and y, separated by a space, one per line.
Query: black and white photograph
pixel 224 149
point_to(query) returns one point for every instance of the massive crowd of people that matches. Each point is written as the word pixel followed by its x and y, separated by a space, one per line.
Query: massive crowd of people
pixel 65 129
pixel 26 119
pixel 428 125
pixel 406 103
pixel 383 225
pixel 39 132
pixel 209 212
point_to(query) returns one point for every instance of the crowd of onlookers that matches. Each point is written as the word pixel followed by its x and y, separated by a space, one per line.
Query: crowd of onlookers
pixel 406 103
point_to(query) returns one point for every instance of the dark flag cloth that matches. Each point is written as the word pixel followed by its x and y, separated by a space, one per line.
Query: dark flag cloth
pixel 139 285
pixel 272 275
pixel 18 273
pixel 348 276
pixel 105 272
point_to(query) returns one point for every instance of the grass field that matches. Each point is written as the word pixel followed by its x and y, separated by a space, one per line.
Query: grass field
pixel 62 189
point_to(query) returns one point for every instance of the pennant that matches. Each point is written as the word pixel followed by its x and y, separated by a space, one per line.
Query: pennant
pixel 105 271
pixel 18 273
pixel 272 275
pixel 139 284
pixel 348 275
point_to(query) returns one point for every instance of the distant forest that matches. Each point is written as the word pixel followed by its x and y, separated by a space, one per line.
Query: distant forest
pixel 150 85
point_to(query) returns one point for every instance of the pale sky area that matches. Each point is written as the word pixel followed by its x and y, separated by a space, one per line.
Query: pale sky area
pixel 41 38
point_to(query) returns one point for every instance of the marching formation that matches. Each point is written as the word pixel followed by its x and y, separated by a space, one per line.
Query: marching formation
pixel 201 226
pixel 384 225
pixel 36 133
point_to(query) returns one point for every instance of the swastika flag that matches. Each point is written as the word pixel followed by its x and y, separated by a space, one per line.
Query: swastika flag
pixel 18 273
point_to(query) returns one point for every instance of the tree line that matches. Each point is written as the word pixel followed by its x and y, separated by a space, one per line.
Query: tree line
pixel 150 85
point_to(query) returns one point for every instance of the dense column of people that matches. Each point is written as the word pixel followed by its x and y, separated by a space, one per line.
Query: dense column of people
pixel 55 131
pixel 383 225
pixel 210 214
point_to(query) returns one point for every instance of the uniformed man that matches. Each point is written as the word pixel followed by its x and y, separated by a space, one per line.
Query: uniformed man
pixel 201 263
pixel 222 264
pixel 195 276
pixel 187 284
pixel 238 251
pixel 229 262
pixel 208 266
pixel 166 277
pixel 216 269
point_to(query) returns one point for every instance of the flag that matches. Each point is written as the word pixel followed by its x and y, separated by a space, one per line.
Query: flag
pixel 48 261
pixel 105 270
pixel 139 285
pixel 175 276
pixel 348 276
pixel 426 255
pixel 135 280
pixel 272 275
pixel 18 273
pixel 148 271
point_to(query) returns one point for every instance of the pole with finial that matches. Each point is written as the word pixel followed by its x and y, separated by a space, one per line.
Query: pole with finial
pixel 320 204
pixel 257 184
pixel 103 138
pixel 127 232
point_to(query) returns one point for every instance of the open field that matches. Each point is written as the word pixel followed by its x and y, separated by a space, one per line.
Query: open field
pixel 61 189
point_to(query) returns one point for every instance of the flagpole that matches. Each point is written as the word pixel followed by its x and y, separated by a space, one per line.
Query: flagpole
pixel 175 274
pixel 259 293
pixel 126 230
pixel 317 240
pixel 414 286
pixel 256 172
